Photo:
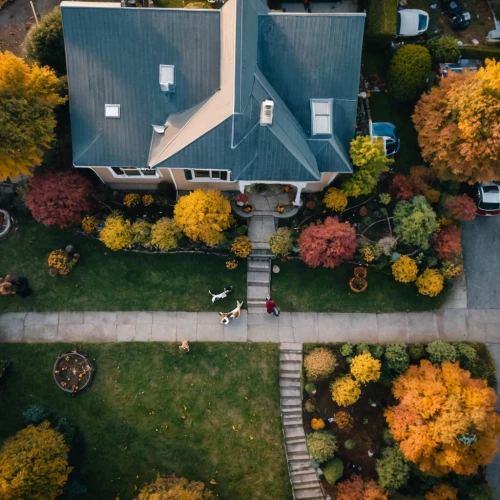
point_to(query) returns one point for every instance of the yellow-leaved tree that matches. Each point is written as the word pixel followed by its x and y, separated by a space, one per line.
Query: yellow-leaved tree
pixel 34 464
pixel 203 216
pixel 458 125
pixel 28 96
pixel 445 421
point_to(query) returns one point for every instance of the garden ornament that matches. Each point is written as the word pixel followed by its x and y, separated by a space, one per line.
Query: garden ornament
pixel 184 346
pixel 221 295
pixel 226 318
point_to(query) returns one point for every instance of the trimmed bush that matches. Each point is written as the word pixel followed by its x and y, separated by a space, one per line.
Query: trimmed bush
pixel 393 469
pixel 365 368
pixel 430 282
pixel 346 349
pixel 319 364
pixel 416 352
pixel 481 53
pixel 117 233
pixel 362 347
pixel 280 242
pixel 409 69
pixel 310 388
pixel 35 414
pixel 441 351
pixel 381 21
pixel 345 391
pixel 335 199
pixel 165 234
pixel 322 445
pixel 467 356
pixel 333 471
pixel 141 232
pixel 350 444
pixel 405 269
pixel 397 358
pixel 343 420
pixel 444 49
pixel 377 350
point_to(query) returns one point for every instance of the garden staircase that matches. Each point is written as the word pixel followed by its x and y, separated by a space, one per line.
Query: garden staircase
pixel 303 477
pixel 260 228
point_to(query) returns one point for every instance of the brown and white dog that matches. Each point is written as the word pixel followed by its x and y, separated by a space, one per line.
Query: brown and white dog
pixel 226 318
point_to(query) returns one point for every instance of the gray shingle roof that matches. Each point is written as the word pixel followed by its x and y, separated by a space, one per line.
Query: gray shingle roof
pixel 114 54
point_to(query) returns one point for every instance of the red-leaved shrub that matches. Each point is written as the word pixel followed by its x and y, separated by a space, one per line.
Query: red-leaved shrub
pixel 327 244
pixel 402 187
pixel 357 489
pixel 58 198
pixel 448 242
pixel 461 208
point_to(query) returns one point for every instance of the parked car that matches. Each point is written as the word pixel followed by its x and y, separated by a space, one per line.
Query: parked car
pixel 412 22
pixel 488 198
pixel 493 36
pixel 460 20
pixel 388 133
pixel 458 67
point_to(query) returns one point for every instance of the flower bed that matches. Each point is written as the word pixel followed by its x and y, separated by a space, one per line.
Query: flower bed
pixel 349 393
pixel 73 372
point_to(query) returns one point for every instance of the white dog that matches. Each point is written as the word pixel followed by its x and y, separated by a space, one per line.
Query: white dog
pixel 221 295
pixel 225 318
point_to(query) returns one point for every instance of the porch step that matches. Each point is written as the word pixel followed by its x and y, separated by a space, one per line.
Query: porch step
pixel 290 393
pixel 261 247
pixel 291 421
pixel 290 403
pixel 309 494
pixel 286 383
pixel 290 356
pixel 258 277
pixel 293 374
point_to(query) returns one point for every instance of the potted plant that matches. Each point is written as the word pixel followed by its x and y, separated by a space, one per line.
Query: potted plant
pixel 248 208
pixel 241 199
pixel 280 208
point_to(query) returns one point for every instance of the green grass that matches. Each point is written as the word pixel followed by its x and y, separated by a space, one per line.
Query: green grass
pixel 104 280
pixel 126 445
pixel 301 288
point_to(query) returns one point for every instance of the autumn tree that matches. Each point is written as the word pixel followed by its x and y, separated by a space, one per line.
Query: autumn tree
pixel 203 216
pixel 356 488
pixel 28 96
pixel 442 492
pixel 461 208
pixel 117 232
pixel 45 42
pixel 327 244
pixel 34 464
pixel 415 221
pixel 445 421
pixel 165 234
pixel 402 187
pixel 448 242
pixel 173 488
pixel 370 160
pixel 458 125
pixel 58 198
pixel 392 469
pixel 410 66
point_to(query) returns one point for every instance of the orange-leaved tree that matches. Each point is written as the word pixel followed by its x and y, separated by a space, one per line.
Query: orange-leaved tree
pixel 357 489
pixel 458 125
pixel 442 492
pixel 203 215
pixel 28 96
pixel 444 421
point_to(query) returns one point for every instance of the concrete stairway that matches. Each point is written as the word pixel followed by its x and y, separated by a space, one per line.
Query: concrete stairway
pixel 303 477
pixel 259 262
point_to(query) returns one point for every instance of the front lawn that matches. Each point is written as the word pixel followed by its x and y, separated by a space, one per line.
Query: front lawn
pixel 104 280
pixel 298 287
pixel 131 417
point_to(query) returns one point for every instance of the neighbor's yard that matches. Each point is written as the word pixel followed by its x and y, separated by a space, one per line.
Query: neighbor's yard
pixel 301 288
pixel 104 280
pixel 131 422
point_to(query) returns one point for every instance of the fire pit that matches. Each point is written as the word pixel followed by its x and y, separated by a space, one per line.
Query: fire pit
pixel 73 371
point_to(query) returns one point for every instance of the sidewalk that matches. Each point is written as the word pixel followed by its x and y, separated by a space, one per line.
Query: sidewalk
pixel 482 325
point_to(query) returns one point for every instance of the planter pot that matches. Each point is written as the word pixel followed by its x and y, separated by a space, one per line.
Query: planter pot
pixel 53 272
pixel 358 285
pixel 276 269
pixel 240 203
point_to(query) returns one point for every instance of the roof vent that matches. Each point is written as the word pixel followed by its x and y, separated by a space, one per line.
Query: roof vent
pixel 167 77
pixel 267 112
pixel 159 129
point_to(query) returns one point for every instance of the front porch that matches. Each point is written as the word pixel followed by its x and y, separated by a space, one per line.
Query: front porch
pixel 278 200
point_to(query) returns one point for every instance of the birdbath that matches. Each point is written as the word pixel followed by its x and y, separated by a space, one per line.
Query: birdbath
pixel 73 372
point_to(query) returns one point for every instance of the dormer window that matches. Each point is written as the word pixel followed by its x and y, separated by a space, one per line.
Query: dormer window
pixel 321 116
pixel 112 110
pixel 167 77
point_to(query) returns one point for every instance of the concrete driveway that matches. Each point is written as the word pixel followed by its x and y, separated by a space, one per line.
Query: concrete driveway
pixel 481 247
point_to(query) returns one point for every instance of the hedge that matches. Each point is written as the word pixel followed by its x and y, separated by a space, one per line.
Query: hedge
pixel 481 53
pixel 381 21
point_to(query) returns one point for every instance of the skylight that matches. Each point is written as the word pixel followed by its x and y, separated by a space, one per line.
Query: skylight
pixel 167 76
pixel 112 110
pixel 321 116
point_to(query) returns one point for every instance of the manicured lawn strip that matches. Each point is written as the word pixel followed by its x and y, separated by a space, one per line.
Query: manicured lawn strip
pixel 301 288
pixel 126 445
pixel 104 280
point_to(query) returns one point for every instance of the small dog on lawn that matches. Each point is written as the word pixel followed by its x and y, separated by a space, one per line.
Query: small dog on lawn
pixel 221 295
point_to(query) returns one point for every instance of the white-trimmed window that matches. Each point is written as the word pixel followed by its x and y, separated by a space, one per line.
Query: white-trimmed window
pixel 127 172
pixel 193 174
pixel 321 116
pixel 112 110
pixel 167 76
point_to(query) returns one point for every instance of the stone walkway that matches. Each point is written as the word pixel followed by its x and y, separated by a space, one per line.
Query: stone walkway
pixel 482 325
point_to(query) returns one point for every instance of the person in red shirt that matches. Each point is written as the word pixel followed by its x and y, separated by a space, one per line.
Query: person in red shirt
pixel 271 306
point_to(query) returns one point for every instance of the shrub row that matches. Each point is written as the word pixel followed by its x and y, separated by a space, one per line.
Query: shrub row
pixel 481 53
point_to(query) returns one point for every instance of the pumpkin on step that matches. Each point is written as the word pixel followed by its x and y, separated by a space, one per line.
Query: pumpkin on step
pixel 317 424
